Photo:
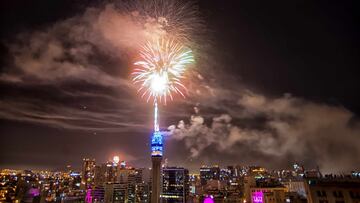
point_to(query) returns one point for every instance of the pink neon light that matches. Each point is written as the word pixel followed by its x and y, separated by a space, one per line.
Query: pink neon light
pixel 208 200
pixel 257 197
pixel 88 198
pixel 34 192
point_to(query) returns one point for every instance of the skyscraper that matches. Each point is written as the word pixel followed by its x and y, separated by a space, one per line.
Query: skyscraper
pixel 88 173
pixel 142 178
pixel 209 173
pixel 156 158
pixel 131 186
pixel 98 194
pixel 175 185
pixel 106 172
pixel 116 192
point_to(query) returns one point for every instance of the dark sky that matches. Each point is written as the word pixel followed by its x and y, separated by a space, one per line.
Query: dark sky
pixel 272 81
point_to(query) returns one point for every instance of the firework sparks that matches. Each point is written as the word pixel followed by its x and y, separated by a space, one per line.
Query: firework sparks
pixel 161 68
pixel 178 19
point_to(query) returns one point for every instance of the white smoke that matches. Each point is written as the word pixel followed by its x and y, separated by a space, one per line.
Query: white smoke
pixel 69 49
pixel 293 127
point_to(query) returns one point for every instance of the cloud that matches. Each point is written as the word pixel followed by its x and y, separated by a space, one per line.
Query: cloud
pixel 81 116
pixel 72 49
pixel 309 132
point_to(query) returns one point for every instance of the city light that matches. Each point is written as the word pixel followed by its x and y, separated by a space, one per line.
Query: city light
pixel 99 181
pixel 116 159
pixel 209 199
pixel 257 197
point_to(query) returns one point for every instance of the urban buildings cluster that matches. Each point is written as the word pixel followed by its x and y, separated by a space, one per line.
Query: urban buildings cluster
pixel 114 181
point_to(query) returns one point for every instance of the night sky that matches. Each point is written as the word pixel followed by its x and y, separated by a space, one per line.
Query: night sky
pixel 275 82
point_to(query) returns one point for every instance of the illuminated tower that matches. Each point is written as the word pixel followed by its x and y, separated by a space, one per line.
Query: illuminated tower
pixel 156 158
pixel 162 64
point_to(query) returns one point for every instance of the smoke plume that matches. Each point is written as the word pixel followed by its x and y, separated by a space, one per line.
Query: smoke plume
pixel 304 131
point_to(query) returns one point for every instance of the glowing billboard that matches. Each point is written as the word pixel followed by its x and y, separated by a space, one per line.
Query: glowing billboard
pixel 257 197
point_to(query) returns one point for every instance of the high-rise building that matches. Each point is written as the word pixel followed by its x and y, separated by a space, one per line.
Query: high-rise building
pixel 88 173
pixel 331 188
pixel 142 192
pixel 156 158
pixel 209 173
pixel 123 175
pixel 115 192
pixel 225 174
pixel 105 173
pixel 75 180
pixel 131 186
pixel 233 171
pixel 110 172
pixel 99 178
pixel 98 194
pixel 262 190
pixel 296 186
pixel 142 187
pixel 175 185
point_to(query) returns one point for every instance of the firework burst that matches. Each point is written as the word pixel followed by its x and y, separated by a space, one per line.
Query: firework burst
pixel 161 68
pixel 177 19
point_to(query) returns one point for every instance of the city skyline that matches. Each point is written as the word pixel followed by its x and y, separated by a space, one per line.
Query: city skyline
pixel 271 84
pixel 115 181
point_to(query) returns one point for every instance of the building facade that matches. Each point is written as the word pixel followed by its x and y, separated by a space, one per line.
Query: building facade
pixel 88 173
pixel 209 173
pixel 175 185
pixel 333 190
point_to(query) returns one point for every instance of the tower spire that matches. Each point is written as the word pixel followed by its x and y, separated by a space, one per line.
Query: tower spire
pixel 156 124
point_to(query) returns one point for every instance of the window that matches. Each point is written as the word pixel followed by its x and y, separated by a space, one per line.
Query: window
pixel 318 193
pixel 338 194
pixel 354 195
pixel 323 193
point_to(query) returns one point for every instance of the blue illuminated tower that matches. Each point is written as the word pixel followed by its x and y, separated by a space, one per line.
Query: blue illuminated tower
pixel 156 158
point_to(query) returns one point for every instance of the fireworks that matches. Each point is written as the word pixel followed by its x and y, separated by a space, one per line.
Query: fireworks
pixel 116 159
pixel 169 29
pixel 176 18
pixel 161 68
